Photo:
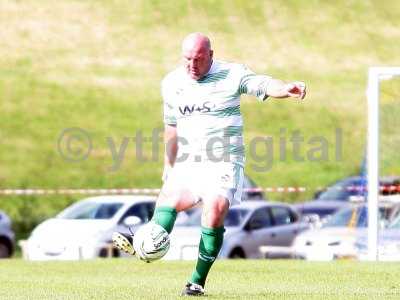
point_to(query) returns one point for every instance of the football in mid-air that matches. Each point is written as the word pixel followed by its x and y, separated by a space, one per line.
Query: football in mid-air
pixel 151 242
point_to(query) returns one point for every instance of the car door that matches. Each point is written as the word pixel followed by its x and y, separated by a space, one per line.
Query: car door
pixel 285 227
pixel 257 232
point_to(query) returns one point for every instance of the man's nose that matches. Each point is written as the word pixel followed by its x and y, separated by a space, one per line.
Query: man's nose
pixel 194 64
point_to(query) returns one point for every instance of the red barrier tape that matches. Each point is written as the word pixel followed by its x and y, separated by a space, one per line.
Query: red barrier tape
pixel 132 191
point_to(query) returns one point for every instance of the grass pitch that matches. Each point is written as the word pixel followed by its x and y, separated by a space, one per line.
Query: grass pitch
pixel 250 279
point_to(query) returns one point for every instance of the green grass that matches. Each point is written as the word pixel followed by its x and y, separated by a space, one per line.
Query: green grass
pixel 97 65
pixel 249 279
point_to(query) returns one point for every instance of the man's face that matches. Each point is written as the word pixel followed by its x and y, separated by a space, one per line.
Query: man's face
pixel 197 61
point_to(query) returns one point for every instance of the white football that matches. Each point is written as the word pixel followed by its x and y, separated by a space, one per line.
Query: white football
pixel 151 242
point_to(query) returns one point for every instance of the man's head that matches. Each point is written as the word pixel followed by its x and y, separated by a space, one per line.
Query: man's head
pixel 197 55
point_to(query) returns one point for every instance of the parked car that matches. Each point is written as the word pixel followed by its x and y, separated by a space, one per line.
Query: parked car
pixel 388 243
pixel 388 240
pixel 339 235
pixel 248 226
pixel 340 194
pixel 251 191
pixel 83 230
pixel 7 236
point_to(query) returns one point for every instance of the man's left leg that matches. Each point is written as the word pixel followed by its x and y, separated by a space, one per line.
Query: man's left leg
pixel 212 235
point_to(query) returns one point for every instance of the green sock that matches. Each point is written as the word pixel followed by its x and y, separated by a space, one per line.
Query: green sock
pixel 210 244
pixel 165 217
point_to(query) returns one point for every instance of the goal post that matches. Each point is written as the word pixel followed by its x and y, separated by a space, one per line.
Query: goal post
pixel 374 76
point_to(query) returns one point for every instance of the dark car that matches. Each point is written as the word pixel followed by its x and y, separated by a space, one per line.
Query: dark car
pixel 251 191
pixel 6 236
pixel 339 195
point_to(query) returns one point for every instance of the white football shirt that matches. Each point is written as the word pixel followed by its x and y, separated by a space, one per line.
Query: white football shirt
pixel 207 111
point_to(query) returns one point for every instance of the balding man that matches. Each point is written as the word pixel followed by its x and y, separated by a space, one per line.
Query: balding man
pixel 204 152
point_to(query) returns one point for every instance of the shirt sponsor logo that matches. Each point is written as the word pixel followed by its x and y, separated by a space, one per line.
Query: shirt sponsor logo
pixel 190 109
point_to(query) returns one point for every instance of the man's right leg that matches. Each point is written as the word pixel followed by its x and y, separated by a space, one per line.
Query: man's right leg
pixel 212 235
pixel 169 203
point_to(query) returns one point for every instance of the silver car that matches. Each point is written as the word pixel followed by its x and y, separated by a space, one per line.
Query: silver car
pixel 6 236
pixel 248 226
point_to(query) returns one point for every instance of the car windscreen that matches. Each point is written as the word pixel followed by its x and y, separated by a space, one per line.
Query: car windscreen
pixel 395 224
pixel 343 190
pixel 91 210
pixel 235 217
pixel 353 217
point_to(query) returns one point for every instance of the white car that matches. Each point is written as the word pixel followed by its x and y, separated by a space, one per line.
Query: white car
pixel 339 236
pixel 388 243
pixel 83 230
pixel 248 226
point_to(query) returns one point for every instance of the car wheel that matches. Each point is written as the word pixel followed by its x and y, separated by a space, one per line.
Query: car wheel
pixel 4 250
pixel 115 253
pixel 105 252
pixel 237 253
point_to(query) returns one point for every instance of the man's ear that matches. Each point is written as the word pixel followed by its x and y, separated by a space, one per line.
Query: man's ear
pixel 211 54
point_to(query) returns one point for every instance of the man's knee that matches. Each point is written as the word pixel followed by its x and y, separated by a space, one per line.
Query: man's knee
pixel 180 200
pixel 166 198
pixel 214 212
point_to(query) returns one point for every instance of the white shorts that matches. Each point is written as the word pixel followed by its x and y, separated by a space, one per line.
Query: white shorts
pixel 205 181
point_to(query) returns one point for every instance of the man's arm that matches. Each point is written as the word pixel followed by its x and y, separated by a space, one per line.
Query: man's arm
pixel 278 89
pixel 171 148
pixel 263 86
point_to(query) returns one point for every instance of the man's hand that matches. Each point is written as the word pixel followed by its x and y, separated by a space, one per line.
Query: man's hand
pixel 279 89
pixel 296 89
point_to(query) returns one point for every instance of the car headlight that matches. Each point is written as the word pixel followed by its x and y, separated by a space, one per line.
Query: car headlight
pixel 361 250
pixel 360 246
pixel 335 243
